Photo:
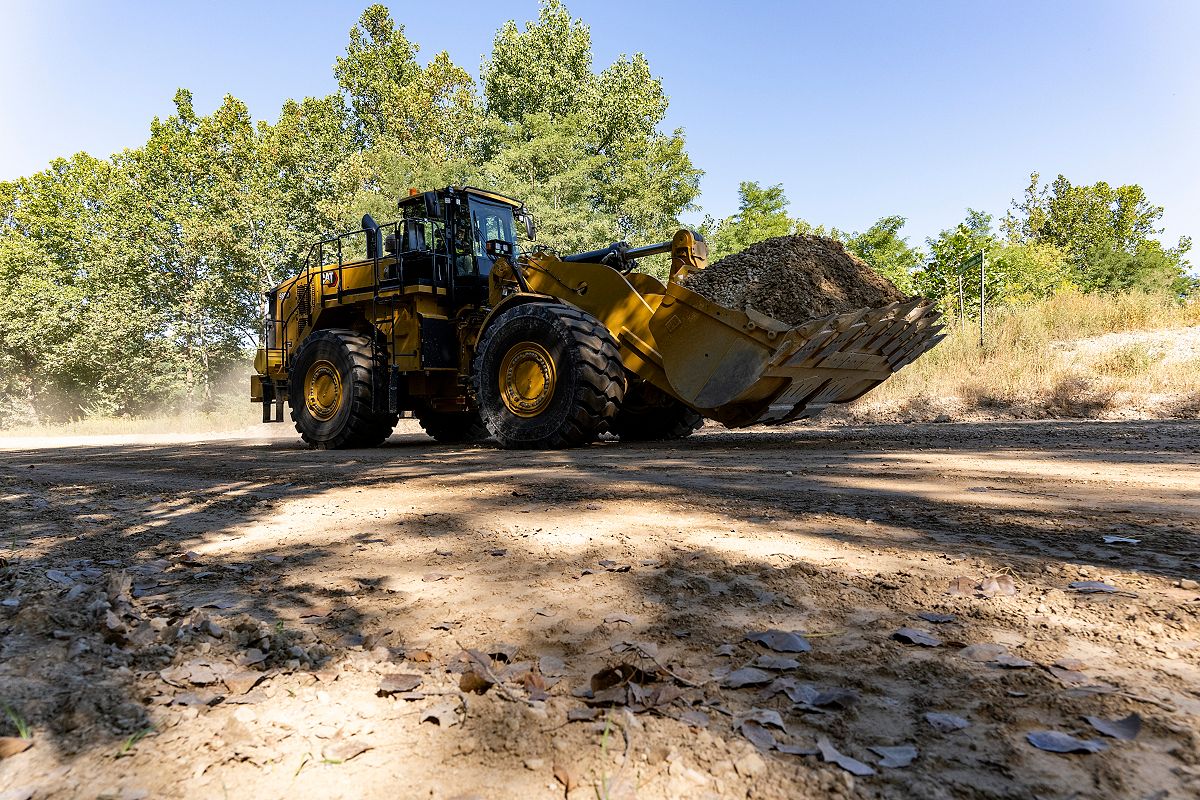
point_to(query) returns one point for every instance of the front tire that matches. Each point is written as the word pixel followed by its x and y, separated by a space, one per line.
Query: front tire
pixel 331 386
pixel 547 375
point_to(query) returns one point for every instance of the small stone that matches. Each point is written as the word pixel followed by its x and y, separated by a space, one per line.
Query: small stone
pixel 535 764
pixel 1188 583
pixel 750 765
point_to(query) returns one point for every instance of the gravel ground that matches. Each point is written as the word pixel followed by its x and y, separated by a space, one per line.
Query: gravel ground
pixel 243 617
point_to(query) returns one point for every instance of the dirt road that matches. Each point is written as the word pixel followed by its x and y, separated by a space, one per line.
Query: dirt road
pixel 237 617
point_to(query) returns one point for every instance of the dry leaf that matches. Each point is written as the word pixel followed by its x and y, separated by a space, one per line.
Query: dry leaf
pixel 582 714
pixel 1002 585
pixel 1092 587
pixel 1126 729
pixel 767 717
pixel 917 636
pixel 399 682
pixel 566 775
pixel 758 735
pixel 946 723
pixel 1056 742
pixel 778 663
pixel 502 651
pixel 1069 677
pixel 747 676
pixel 620 674
pixel 898 756
pixel 473 681
pixel 851 765
pixel 242 681
pixel 1009 661
pixel 961 585
pixel 11 745
pixel 781 641
pixel 551 666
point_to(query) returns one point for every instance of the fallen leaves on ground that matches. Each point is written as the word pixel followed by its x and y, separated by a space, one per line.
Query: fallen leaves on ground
pixel 1092 587
pixel 946 723
pixel 916 636
pixel 11 745
pixel 830 754
pixel 1125 729
pixel 400 682
pixel 747 676
pixel 1058 742
pixel 781 641
pixel 998 585
pixel 895 757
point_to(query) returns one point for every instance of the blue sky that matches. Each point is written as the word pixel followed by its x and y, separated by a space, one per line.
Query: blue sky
pixel 860 109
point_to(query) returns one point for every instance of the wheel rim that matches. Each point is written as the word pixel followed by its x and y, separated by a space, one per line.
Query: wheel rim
pixel 323 390
pixel 527 379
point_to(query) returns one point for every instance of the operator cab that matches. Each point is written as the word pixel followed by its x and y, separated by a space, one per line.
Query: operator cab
pixel 456 235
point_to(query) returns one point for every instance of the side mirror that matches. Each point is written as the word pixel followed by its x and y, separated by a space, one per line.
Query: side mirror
pixel 432 209
pixel 527 218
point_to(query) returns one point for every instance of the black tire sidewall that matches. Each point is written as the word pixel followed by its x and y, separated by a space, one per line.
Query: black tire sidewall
pixel 538 323
pixel 331 348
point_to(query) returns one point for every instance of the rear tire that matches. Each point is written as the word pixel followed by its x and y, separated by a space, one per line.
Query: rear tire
pixel 453 427
pixel 547 375
pixel 332 382
pixel 650 414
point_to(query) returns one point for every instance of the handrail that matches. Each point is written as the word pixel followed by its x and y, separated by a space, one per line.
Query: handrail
pixel 315 265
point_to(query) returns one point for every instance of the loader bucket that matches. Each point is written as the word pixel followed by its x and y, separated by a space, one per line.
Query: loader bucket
pixel 744 368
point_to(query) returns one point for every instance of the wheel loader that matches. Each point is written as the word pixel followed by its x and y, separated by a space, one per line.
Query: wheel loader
pixel 442 316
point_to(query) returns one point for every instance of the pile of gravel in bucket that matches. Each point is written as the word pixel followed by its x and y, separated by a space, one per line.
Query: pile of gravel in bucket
pixel 794 279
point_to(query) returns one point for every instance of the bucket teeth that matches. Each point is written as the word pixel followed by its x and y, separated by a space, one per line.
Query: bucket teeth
pixel 839 358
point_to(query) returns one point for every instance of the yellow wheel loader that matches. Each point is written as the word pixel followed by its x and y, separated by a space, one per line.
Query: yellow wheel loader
pixel 440 316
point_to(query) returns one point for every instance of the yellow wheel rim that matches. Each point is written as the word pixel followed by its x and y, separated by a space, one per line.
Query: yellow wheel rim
pixel 323 390
pixel 527 379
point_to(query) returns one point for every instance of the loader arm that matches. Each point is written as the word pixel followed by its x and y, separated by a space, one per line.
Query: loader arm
pixel 737 367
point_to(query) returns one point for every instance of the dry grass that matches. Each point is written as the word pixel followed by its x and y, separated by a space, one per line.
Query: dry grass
pixel 1027 367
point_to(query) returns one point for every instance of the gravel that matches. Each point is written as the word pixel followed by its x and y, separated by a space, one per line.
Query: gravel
pixel 794 279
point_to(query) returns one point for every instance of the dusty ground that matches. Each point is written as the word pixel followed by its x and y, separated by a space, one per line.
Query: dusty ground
pixel 220 618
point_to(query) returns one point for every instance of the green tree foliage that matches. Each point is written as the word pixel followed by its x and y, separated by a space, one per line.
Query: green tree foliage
pixel 762 214
pixel 1107 234
pixel 583 149
pixel 889 253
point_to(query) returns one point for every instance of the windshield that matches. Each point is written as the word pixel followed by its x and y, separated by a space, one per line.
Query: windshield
pixel 491 221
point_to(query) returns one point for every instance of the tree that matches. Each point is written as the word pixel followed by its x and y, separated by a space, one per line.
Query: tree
pixel 761 214
pixel 888 253
pixel 399 106
pixel 583 149
pixel 949 255
pixel 1106 233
